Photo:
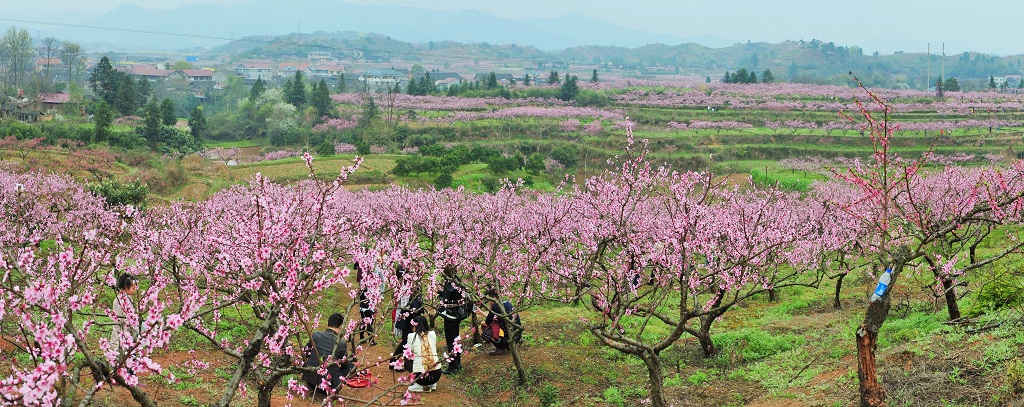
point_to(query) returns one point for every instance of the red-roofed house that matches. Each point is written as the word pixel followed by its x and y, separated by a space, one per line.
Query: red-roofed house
pixel 48 102
pixel 148 72
pixel 55 63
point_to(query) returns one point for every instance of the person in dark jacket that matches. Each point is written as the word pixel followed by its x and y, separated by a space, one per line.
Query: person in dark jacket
pixel 405 314
pixel 327 346
pixel 496 329
pixel 453 311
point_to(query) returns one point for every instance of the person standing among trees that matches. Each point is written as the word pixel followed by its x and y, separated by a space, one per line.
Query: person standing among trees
pixel 125 286
pixel 425 364
pixel 411 307
pixel 366 311
pixel 454 308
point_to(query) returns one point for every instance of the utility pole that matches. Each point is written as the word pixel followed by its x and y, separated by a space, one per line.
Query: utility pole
pixel 928 74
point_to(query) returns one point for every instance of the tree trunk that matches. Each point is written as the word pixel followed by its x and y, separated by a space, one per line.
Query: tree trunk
pixel 520 369
pixel 837 304
pixel 951 304
pixel 657 378
pixel 249 355
pixel 266 390
pixel 705 344
pixel 773 296
pixel 872 394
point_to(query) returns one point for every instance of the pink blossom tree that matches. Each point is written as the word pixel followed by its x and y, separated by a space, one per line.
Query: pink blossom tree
pixel 905 211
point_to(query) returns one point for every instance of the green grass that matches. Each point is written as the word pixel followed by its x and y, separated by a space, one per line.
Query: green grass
pixel 753 344
pixel 235 143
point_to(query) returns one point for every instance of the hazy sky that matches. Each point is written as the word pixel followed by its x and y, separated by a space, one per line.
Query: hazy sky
pixel 883 25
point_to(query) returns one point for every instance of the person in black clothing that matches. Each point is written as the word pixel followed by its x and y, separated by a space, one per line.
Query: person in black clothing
pixel 496 329
pixel 453 310
pixel 327 346
pixel 365 311
pixel 411 310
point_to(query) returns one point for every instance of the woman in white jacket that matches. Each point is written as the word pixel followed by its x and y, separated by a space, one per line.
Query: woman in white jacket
pixel 426 366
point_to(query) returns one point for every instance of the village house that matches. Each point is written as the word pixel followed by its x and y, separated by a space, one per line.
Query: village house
pixel 503 78
pixel 382 80
pixel 286 70
pixel 326 70
pixel 445 80
pixel 54 63
pixel 255 70
pixel 53 102
pixel 319 56
pixel 150 73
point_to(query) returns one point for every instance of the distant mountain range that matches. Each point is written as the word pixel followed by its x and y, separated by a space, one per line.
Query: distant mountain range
pixel 208 25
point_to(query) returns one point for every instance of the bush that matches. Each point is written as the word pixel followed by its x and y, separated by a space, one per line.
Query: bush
pixel 19 130
pixel 444 180
pixel 548 395
pixel 119 194
pixel 755 344
pixel 126 139
pixel 612 395
pixel 324 149
pixel 698 378
pixel 998 290
pixel 1015 377
pixel 490 184
pixel 565 154
pixel 501 165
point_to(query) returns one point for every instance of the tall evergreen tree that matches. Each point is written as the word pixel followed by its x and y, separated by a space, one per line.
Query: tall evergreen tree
pixel 492 81
pixel 341 88
pixel 321 99
pixel 101 79
pixel 553 78
pixel 569 89
pixel 124 100
pixel 767 76
pixel 740 76
pixel 257 89
pixel 526 80
pixel 296 94
pixel 143 89
pixel 593 76
pixel 103 116
pixel 151 119
pixel 167 113
pixel 197 123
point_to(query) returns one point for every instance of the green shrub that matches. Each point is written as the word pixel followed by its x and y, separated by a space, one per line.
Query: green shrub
pixel 998 291
pixel 698 378
pixel 612 395
pixel 443 180
pixel 1015 377
pixel 754 344
pixel 116 193
pixel 548 395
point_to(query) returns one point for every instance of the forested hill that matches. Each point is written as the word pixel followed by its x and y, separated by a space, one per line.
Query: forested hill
pixel 811 61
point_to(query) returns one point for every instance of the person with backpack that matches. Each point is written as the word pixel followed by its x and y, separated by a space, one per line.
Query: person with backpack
pixel 496 328
pixel 410 306
pixel 426 366
pixel 454 308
